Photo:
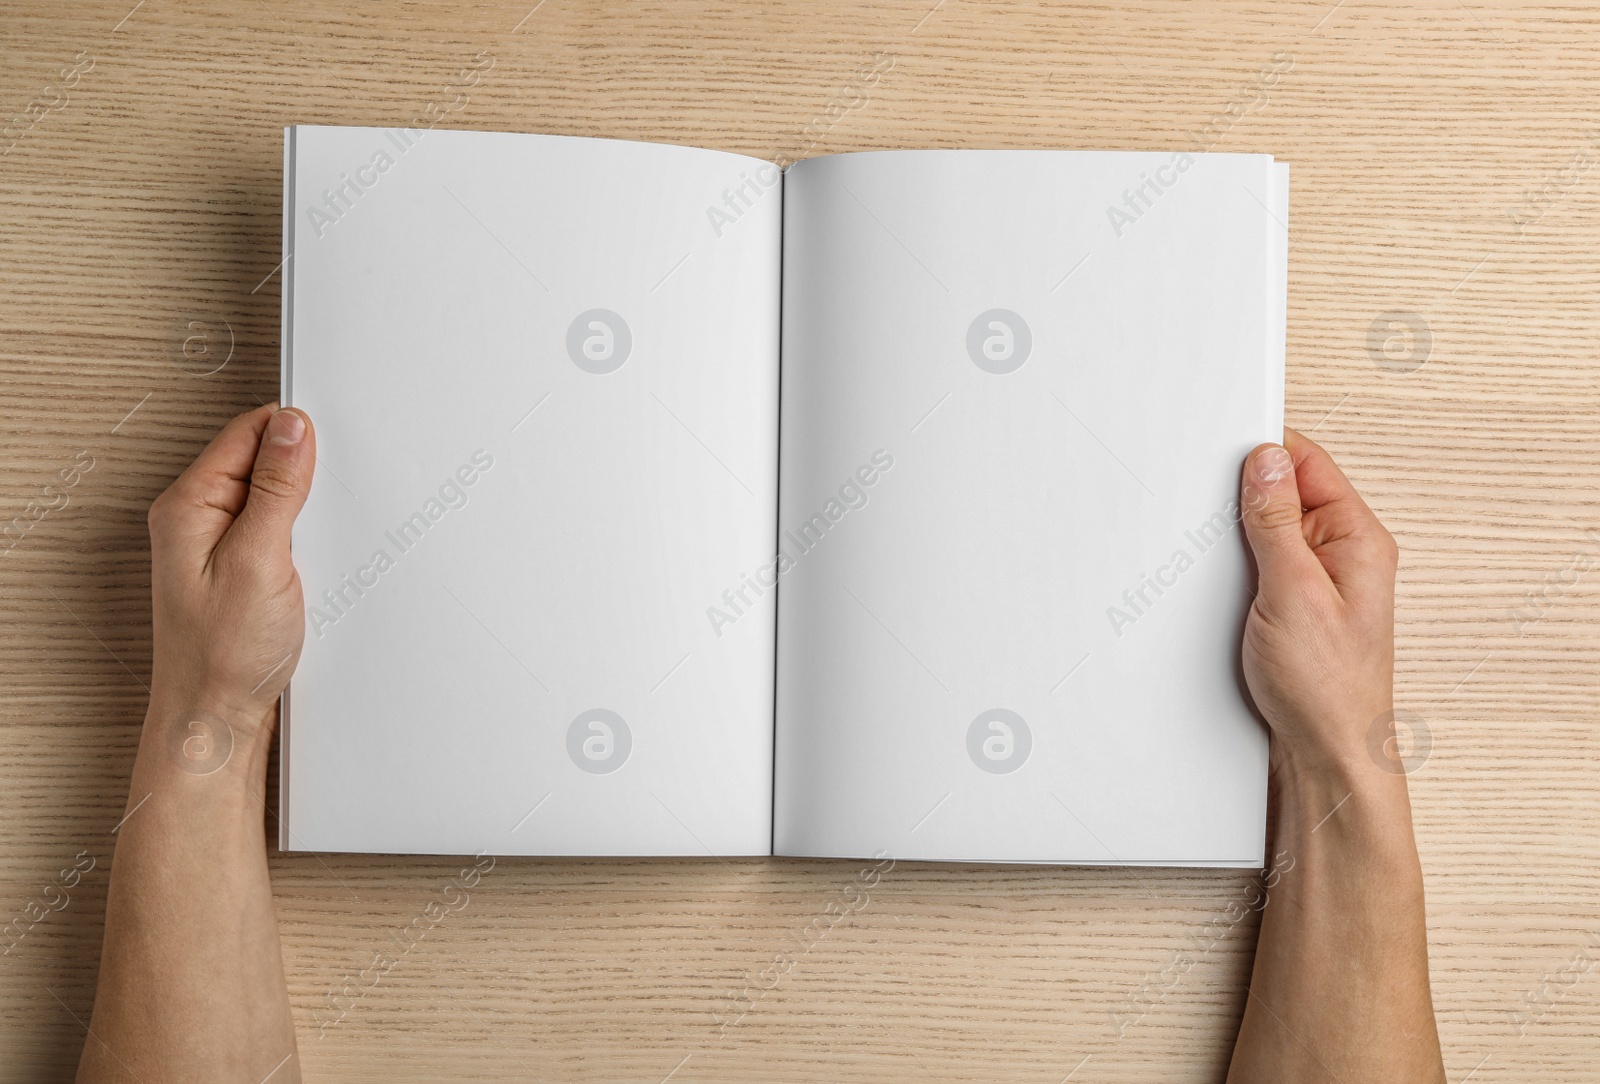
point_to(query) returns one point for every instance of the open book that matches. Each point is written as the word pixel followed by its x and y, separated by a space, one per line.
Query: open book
pixel 668 504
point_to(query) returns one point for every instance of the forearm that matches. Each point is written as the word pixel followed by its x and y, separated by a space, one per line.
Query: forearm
pixel 1340 988
pixel 191 981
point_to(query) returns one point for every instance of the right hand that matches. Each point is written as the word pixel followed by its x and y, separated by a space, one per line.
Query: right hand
pixel 1319 643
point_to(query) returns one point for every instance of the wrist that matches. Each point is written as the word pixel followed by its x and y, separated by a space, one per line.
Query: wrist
pixel 1352 798
pixel 1352 741
pixel 184 679
pixel 197 732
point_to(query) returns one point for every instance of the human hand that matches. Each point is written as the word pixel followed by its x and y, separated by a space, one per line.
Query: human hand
pixel 191 983
pixel 1340 985
pixel 1319 643
pixel 228 613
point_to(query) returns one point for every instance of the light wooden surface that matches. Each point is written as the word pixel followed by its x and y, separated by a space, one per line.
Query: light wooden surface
pixel 139 229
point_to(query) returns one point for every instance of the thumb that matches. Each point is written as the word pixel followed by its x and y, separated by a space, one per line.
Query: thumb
pixel 1270 502
pixel 280 481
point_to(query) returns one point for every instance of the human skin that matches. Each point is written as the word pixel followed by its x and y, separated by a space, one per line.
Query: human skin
pixel 191 981
pixel 1340 987
pixel 191 977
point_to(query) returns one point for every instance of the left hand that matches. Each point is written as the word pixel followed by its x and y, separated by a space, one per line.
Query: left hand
pixel 228 614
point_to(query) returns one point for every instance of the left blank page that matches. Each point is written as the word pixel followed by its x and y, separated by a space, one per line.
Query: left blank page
pixel 544 378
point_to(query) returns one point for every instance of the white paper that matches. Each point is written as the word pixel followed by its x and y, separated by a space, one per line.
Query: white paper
pixel 983 568
pixel 956 536
pixel 427 316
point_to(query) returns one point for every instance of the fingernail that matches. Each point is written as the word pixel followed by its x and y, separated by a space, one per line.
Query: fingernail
pixel 286 427
pixel 1272 464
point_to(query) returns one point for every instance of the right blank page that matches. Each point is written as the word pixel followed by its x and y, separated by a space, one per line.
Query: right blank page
pixel 1017 390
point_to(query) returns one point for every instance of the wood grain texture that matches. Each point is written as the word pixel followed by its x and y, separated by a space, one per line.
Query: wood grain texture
pixel 140 219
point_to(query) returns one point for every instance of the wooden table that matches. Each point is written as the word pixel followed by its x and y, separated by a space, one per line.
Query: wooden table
pixel 1443 330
